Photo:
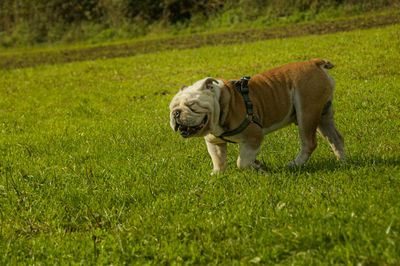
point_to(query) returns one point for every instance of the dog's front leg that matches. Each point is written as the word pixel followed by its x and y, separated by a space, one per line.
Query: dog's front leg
pixel 248 154
pixel 218 156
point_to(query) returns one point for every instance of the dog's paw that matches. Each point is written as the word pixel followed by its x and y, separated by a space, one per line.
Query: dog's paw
pixel 217 172
pixel 259 165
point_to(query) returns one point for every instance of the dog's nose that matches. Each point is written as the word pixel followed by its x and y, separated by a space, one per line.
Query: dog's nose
pixel 177 113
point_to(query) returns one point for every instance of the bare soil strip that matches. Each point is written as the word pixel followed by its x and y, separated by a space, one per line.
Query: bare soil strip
pixel 29 59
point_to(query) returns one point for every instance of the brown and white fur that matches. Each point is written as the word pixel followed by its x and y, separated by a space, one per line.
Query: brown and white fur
pixel 293 93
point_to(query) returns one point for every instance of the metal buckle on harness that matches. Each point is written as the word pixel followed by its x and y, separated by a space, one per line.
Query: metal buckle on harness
pixel 244 88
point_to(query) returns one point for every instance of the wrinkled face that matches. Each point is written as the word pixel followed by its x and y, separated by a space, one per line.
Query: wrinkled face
pixel 193 108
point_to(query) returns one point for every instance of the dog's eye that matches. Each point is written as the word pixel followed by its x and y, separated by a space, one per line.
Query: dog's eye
pixel 190 106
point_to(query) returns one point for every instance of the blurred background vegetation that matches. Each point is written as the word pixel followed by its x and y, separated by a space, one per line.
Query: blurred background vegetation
pixel 32 22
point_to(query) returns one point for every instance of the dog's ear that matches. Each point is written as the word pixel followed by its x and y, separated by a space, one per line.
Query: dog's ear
pixel 183 87
pixel 208 83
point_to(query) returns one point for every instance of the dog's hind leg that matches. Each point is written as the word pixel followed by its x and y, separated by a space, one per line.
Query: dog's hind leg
pixel 307 119
pixel 327 129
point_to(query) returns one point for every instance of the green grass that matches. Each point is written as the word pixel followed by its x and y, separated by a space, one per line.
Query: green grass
pixel 33 57
pixel 91 173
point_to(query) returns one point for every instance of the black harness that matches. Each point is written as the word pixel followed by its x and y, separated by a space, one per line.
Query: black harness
pixel 243 88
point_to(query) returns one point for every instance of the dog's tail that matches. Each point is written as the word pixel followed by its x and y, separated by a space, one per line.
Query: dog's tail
pixel 323 63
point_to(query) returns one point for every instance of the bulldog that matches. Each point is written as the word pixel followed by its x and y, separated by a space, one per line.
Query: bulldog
pixel 299 93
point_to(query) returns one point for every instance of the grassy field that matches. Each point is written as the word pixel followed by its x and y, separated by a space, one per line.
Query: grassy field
pixel 17 57
pixel 91 173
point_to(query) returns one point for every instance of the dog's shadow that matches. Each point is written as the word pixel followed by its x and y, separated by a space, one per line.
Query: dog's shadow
pixel 333 165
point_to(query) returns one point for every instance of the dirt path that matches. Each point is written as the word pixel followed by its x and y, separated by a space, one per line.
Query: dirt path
pixel 28 59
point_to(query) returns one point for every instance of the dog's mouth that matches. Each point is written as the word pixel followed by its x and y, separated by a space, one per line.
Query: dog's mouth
pixel 186 131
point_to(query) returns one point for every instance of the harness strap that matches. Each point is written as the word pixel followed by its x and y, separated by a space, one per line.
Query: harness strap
pixel 243 88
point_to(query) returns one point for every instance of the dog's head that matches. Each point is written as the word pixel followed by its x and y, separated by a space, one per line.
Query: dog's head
pixel 194 110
